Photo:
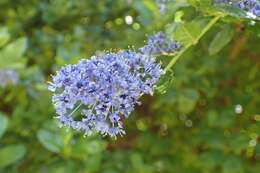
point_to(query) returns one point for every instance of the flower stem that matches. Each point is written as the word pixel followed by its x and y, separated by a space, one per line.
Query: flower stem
pixel 75 109
pixel 209 25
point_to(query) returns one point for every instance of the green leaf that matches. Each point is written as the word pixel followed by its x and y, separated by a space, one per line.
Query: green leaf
pixel 165 82
pixel 211 8
pixel 93 163
pixel 187 100
pixel 3 124
pixel 137 161
pixel 210 159
pixel 61 166
pixel 194 3
pixel 222 38
pixel 231 10
pixel 188 33
pixel 212 118
pixel 51 141
pixel 228 165
pixel 145 13
pixel 4 36
pixel 11 55
pixel 11 154
pixel 83 147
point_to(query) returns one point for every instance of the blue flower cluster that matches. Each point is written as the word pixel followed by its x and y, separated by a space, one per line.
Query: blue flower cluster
pixel 250 6
pixel 103 90
pixel 160 44
pixel 162 5
pixel 8 76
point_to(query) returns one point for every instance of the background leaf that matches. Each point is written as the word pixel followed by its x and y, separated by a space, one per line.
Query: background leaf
pixel 187 100
pixel 3 124
pixel 11 154
pixel 188 32
pixel 4 36
pixel 222 38
pixel 51 141
pixel 11 54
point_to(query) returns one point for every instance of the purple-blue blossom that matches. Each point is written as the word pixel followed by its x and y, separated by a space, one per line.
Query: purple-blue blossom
pixel 256 9
pixel 160 44
pixel 8 76
pixel 103 90
pixel 162 5
pixel 250 6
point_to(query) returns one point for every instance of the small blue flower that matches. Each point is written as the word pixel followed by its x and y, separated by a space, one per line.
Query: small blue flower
pixel 103 90
pixel 8 76
pixel 159 44
pixel 251 6
pixel 256 10
pixel 162 5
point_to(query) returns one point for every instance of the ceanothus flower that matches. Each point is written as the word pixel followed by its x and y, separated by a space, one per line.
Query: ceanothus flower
pixel 256 9
pixel 96 95
pixel 160 44
pixel 162 5
pixel 252 7
pixel 8 76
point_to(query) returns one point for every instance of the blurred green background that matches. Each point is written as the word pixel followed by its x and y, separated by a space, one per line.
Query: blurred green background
pixel 208 121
